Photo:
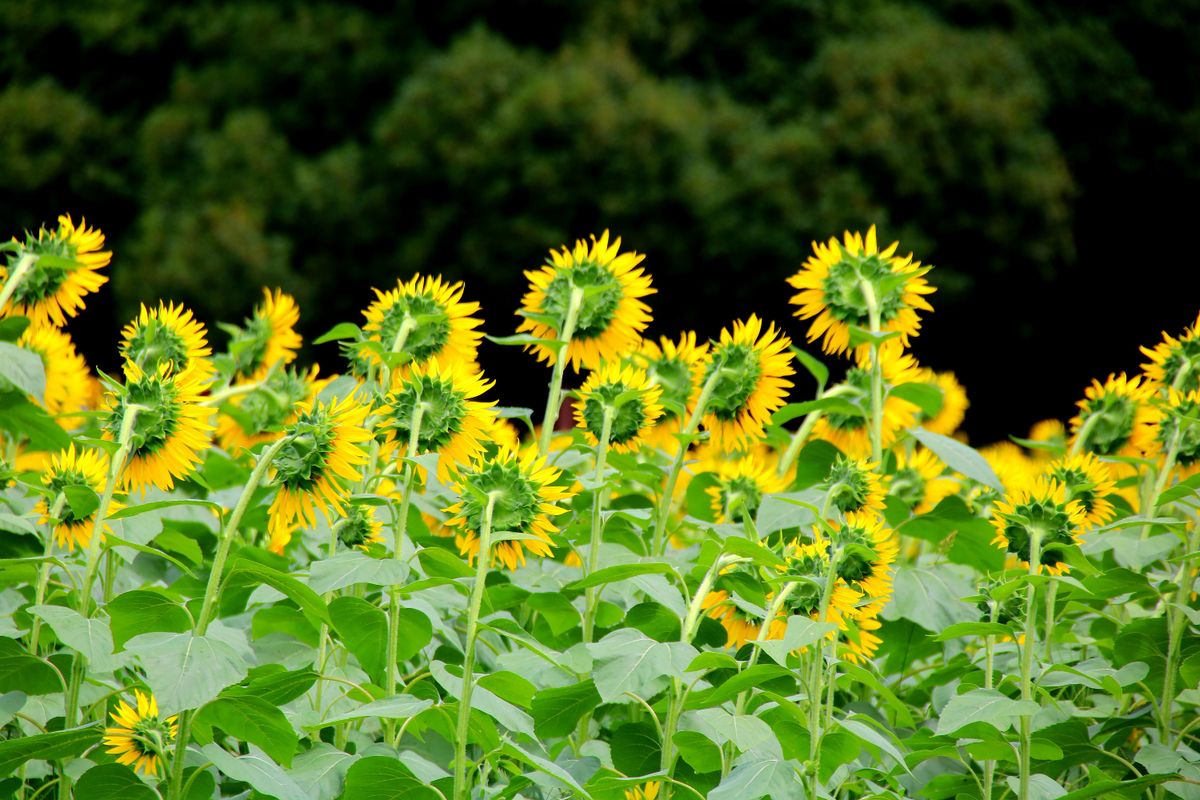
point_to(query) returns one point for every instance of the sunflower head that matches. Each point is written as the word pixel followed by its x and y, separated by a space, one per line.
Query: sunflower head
pixel 644 791
pixel 138 737
pixel 624 393
pixel 1088 481
pixel 69 382
pixel 73 468
pixel 954 403
pixel 168 335
pixel 1177 422
pixel 849 431
pixel 359 528
pixel 1176 362
pixel 423 319
pixel 53 290
pixel 1115 417
pixel 267 338
pixel 258 416
pixel 741 484
pixel 919 481
pixel 452 423
pixel 676 367
pixel 605 286
pixel 838 281
pixel 171 428
pixel 868 550
pixel 750 367
pixel 523 497
pixel 1042 507
pixel 854 485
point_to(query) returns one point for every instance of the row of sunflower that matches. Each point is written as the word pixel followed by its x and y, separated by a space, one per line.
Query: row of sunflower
pixel 381 581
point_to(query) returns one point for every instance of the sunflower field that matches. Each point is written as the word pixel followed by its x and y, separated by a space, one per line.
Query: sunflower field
pixel 228 574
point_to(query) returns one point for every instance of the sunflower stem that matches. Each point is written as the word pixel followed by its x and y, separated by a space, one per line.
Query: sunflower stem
pixel 802 433
pixel 1176 625
pixel 461 789
pixel 407 325
pixel 399 533
pixel 817 677
pixel 597 533
pixel 1048 636
pixel 989 649
pixel 668 497
pixel 554 398
pixel 43 583
pixel 1027 648
pixel 868 290
pixel 24 264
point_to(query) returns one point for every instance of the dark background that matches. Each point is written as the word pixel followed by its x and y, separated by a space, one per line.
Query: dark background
pixel 1042 155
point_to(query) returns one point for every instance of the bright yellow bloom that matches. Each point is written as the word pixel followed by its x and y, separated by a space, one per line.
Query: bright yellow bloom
pixel 954 403
pixel 678 368
pixel 1089 482
pixel 1011 465
pixel 137 737
pixel 646 791
pixel 638 411
pixel 752 383
pixel 831 290
pixel 1050 431
pixel 920 480
pixel 425 319
pixel 312 469
pixel 868 573
pixel 49 294
pixel 258 416
pixel 851 433
pixel 855 485
pixel 1043 503
pixel 1175 363
pixel 69 382
pixel 741 484
pixel 167 335
pixel 359 528
pixel 1115 417
pixel 82 468
pixel 526 499
pixel 611 314
pixel 171 429
pixel 268 338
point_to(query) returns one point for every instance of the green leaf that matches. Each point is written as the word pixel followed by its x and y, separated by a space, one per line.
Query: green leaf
pixel 759 555
pixel 47 746
pixel 21 417
pixel 364 630
pixel 20 671
pixel 274 684
pixel 801 632
pixel 145 611
pixel 485 701
pixel 12 327
pixel 23 369
pixel 959 457
pixel 655 620
pixel 815 368
pixel 82 500
pixel 788 510
pixel 617 573
pixel 112 782
pixel 760 773
pixel 10 704
pixel 793 410
pixel 700 752
pixel 523 339
pixel 260 772
pixel 557 711
pixel 438 562
pixel 749 678
pixel 636 749
pixel 185 671
pixel 1041 787
pixel 343 330
pixel 21 571
pixel 987 706
pixel 961 629
pixel 91 637
pixel 627 660
pixel 11 523
pixel 142 508
pixel 254 720
pixel 1186 488
pixel 546 766
pixel 385 778
pixel 401 706
pixel 865 730
pixel 556 609
pixel 352 567
pixel 321 770
pixel 309 601
pixel 931 598
pixel 924 396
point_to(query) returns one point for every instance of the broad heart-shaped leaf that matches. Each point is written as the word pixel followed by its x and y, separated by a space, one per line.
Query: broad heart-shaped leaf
pixel 931 598
pixel 22 672
pixel 1041 787
pixel 254 720
pixel 983 705
pixel 10 704
pixel 761 773
pixel 701 753
pixel 629 661
pixel 788 510
pixel 91 637
pixel 256 769
pixel 364 630
pixel 801 632
pixel 23 369
pixel 384 778
pixel 20 416
pixel 402 706
pixel 557 711
pixel 504 712
pixel 959 457
pixel 308 600
pixel 47 746
pixel 927 396
pixel 274 684
pixel 145 611
pixel 112 782
pixel 184 670
pixel 542 764
pixel 321 770
pixel 351 567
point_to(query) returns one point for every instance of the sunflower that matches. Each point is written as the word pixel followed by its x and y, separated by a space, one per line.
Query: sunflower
pixel 751 384
pixel 1175 422
pixel 740 626
pixel 170 335
pixel 171 429
pixel 87 469
pixel 1046 504
pixel 321 452
pixel 49 293
pixel 1115 418
pixel 741 484
pixel 1010 463
pixel 1176 362
pixel 854 485
pixel 850 432
pixel 678 369
pixel 645 791
pixel 453 423
pixel 525 499
pixel 137 737
pixel 503 433
pixel 611 315
pixel 920 481
pixel 869 549
pixel 831 285
pixel 268 337
pixel 359 528
pixel 854 621
pixel 1088 481
pixel 954 403
pixel 1051 432
pixel 633 399
pixel 69 382
pixel 257 416
pixel 424 319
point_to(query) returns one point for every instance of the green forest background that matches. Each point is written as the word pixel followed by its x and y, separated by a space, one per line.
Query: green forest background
pixel 1035 152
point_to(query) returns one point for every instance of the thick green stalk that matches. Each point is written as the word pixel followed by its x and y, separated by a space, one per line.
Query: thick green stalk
pixel 593 561
pixel 663 513
pixel 554 397
pixel 211 593
pixel 868 290
pixel 399 532
pixel 461 789
pixel 1176 624
pixel 989 649
pixel 43 583
pixel 24 264
pixel 406 327
pixel 817 675
pixel 1027 648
